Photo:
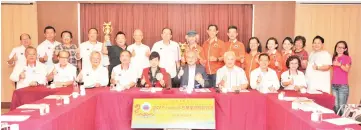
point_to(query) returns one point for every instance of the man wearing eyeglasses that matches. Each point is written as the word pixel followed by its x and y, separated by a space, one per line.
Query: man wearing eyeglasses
pixel 67 45
pixel 63 73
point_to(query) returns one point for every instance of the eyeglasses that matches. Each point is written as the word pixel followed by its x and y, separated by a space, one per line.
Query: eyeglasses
pixel 341 47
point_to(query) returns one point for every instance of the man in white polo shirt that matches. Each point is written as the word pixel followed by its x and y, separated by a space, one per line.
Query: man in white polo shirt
pixel 318 74
pixel 32 73
pixel 17 55
pixel 63 73
pixel 140 53
pixel 124 74
pixel 86 48
pixel 169 52
pixel 96 75
pixel 46 48
pixel 231 76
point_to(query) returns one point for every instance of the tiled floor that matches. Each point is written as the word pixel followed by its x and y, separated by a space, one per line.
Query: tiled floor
pixel 4 111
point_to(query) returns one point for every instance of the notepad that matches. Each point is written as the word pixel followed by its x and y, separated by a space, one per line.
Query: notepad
pixel 56 96
pixel 342 121
pixel 13 118
pixel 30 106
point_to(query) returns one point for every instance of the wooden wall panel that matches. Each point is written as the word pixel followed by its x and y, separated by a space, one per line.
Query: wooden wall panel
pixel 274 19
pixel 61 15
pixel 334 23
pixel 15 20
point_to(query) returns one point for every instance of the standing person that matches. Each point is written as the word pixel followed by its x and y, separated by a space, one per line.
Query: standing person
pixel 46 48
pixel 213 48
pixel 86 48
pixel 17 55
pixel 115 50
pixel 341 66
pixel 300 43
pixel 140 53
pixel 67 45
pixel 169 52
pixel 318 68
pixel 287 46
pixel 275 55
pixel 253 50
pixel 234 45
pixel 192 45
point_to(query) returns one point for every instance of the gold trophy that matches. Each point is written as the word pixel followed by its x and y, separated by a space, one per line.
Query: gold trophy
pixel 107 29
pixel 183 47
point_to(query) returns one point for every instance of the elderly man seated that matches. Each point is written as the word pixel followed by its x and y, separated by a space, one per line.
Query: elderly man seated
pixel 32 73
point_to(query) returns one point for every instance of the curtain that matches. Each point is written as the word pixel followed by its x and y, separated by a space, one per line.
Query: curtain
pixel 152 18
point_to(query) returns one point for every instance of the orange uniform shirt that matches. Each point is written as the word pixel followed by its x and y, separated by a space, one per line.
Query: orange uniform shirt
pixel 213 49
pixel 238 48
pixel 276 56
pixel 285 56
pixel 250 63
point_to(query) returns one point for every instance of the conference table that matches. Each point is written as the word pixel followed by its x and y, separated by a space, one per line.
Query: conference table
pixel 103 109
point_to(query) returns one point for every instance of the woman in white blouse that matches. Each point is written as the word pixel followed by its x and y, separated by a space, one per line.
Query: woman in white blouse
pixel 293 79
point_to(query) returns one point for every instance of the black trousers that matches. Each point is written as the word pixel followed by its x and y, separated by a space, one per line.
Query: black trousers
pixel 212 80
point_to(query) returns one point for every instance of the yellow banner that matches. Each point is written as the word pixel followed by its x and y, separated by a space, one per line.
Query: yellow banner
pixel 196 113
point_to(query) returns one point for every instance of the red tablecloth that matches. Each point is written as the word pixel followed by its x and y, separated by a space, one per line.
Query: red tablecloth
pixel 102 109
pixel 233 111
pixel 281 116
pixel 78 115
pixel 32 94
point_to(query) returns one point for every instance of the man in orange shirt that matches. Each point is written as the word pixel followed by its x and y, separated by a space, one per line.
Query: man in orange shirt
pixel 213 53
pixel 234 45
pixel 193 46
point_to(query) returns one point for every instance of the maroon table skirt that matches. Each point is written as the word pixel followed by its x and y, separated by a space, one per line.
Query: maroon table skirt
pixel 281 116
pixel 233 111
pixel 32 94
pixel 102 109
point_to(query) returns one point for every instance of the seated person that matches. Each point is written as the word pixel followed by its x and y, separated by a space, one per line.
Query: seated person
pixel 63 73
pixel 192 74
pixel 96 75
pixel 154 76
pixel 293 78
pixel 124 74
pixel 264 79
pixel 231 76
pixel 32 73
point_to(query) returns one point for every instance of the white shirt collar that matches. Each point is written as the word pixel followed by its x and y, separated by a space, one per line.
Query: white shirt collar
pixel 234 41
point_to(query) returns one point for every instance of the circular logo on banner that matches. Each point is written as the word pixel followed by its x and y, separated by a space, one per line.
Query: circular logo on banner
pixel 146 107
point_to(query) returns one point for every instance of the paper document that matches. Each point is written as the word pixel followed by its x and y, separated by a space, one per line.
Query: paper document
pixel 149 89
pixel 13 118
pixel 294 98
pixel 342 121
pixel 56 96
pixel 311 106
pixel 30 106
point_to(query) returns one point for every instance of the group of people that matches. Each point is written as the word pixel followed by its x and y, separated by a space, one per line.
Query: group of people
pixel 230 65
